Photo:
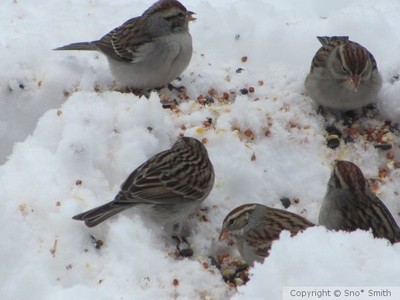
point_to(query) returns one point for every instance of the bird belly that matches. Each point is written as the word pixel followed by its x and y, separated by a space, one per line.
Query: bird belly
pixel 156 64
pixel 170 216
pixel 336 95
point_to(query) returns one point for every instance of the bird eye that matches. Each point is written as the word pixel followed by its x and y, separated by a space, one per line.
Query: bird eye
pixel 344 69
pixel 231 221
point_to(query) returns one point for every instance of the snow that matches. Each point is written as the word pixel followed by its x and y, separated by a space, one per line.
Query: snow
pixel 69 141
pixel 347 260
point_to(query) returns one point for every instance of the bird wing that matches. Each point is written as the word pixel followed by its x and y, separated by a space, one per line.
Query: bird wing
pixel 328 45
pixel 156 182
pixel 269 229
pixel 261 241
pixel 382 222
pixel 124 42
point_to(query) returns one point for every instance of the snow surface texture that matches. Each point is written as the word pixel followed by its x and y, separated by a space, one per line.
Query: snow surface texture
pixel 69 141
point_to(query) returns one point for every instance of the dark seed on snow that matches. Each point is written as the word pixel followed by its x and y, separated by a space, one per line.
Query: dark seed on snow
pixel 383 146
pixel 239 70
pixel 244 91
pixel 285 202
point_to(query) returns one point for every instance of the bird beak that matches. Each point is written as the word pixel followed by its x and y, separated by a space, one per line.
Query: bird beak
pixel 224 235
pixel 355 82
pixel 189 16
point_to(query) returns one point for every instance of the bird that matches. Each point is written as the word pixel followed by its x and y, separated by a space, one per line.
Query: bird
pixel 253 227
pixel 344 75
pixel 349 204
pixel 169 186
pixel 148 51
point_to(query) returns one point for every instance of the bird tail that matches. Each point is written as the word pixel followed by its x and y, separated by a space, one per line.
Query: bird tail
pixel 79 46
pixel 99 214
pixel 327 39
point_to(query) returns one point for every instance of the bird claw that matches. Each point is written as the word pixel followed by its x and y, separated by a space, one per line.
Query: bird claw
pixel 180 88
pixel 215 263
pixel 239 269
pixel 97 243
pixel 229 278
pixel 187 251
